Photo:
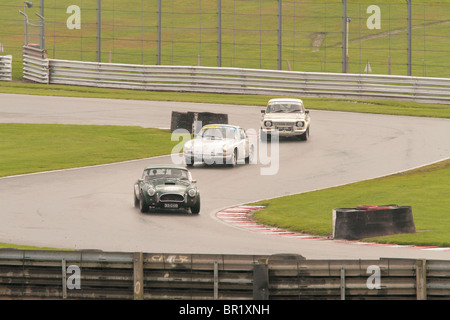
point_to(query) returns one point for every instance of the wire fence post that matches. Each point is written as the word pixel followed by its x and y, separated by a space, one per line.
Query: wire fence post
pixel 409 49
pixel 264 34
pixel 280 42
pixel 158 33
pixel 344 36
pixel 219 33
pixel 99 30
pixel 42 25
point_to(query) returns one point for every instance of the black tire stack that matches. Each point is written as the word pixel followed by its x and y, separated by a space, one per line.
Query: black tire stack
pixel 372 221
pixel 186 120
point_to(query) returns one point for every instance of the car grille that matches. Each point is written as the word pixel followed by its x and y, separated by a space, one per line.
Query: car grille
pixel 171 197
pixel 284 128
pixel 284 124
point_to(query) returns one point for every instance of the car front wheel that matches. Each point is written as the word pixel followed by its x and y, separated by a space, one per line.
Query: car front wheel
pixel 234 159
pixel 136 200
pixel 196 208
pixel 305 136
pixel 142 205
pixel 251 154
pixel 189 162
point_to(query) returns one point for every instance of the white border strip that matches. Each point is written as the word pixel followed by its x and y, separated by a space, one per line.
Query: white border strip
pixel 84 167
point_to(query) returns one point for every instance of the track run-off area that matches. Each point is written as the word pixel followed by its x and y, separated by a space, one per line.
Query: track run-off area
pixel 92 207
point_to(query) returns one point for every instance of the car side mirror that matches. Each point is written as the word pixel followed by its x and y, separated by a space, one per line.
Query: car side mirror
pixel 263 111
pixel 194 181
pixel 307 111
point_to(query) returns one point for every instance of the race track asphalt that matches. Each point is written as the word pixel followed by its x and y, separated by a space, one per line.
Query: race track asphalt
pixel 92 207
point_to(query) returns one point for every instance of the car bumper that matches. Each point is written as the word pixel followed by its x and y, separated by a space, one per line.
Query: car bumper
pixel 209 159
pixel 154 202
pixel 284 133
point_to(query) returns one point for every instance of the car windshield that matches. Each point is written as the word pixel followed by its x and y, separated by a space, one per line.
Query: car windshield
pixel 285 108
pixel 218 133
pixel 171 173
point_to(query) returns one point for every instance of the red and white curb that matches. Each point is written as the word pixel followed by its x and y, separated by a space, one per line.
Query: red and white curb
pixel 241 217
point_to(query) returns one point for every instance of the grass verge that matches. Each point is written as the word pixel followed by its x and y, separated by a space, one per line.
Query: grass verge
pixel 27 148
pixel 425 190
pixel 24 247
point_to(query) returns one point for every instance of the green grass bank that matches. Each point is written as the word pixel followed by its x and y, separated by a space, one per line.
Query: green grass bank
pixel 425 189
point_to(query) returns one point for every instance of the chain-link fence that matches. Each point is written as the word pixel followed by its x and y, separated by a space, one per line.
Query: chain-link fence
pixel 380 37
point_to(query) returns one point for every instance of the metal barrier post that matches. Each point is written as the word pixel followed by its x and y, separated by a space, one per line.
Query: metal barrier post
pixel 342 283
pixel 64 278
pixel 421 279
pixel 138 276
pixel 261 281
pixel 216 280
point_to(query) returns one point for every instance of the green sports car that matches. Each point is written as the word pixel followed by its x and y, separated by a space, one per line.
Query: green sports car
pixel 166 187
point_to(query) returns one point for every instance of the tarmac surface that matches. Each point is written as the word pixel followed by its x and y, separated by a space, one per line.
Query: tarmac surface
pixel 92 207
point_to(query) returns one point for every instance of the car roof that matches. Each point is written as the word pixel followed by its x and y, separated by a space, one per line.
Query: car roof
pixel 165 166
pixel 212 125
pixel 286 100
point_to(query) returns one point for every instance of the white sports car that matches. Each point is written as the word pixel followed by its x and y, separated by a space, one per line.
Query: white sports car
pixel 219 144
pixel 287 117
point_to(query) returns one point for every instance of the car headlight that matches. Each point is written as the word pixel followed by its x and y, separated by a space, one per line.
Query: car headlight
pixel 151 192
pixel 268 123
pixel 187 147
pixel 192 192
pixel 300 124
pixel 224 148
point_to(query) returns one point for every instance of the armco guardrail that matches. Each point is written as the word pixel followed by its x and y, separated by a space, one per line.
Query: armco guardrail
pixel 236 80
pixel 29 274
pixel 6 68
pixel 35 65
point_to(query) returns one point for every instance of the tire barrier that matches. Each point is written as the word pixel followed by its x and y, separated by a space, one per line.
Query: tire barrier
pixel 187 120
pixel 179 121
pixel 372 221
